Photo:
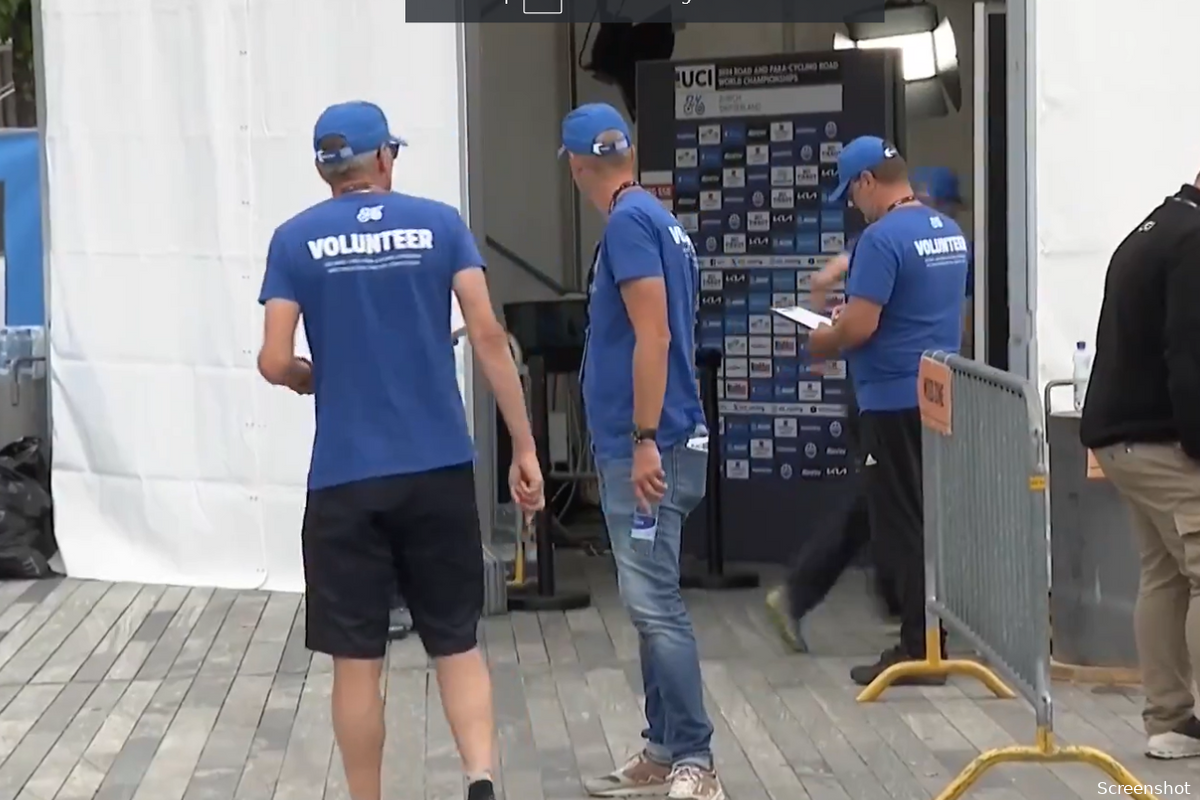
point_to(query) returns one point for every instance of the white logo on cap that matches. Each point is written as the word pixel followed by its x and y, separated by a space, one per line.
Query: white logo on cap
pixel 890 152
pixel 370 214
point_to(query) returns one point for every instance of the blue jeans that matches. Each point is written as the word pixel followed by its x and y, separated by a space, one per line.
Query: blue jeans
pixel 678 728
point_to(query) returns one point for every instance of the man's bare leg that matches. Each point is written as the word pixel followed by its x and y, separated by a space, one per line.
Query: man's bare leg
pixel 466 689
pixel 358 724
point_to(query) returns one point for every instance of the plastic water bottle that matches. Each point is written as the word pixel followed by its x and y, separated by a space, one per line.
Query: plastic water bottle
pixel 645 528
pixel 1081 372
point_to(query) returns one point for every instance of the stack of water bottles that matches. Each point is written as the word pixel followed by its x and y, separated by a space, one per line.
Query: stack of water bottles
pixel 23 348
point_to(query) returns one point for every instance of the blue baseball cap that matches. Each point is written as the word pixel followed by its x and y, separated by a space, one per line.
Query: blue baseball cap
pixel 862 155
pixel 363 125
pixel 939 184
pixel 581 130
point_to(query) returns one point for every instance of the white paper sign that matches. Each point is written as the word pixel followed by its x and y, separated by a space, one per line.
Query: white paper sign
pixel 802 316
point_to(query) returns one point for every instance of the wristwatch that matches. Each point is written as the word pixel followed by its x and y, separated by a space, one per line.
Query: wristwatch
pixel 641 435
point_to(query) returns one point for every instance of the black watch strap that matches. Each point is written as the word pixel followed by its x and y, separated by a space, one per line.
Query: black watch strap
pixel 644 435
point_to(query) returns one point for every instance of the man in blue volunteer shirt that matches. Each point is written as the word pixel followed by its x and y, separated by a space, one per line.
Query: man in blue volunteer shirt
pixel 904 296
pixel 939 189
pixel 391 487
pixel 647 427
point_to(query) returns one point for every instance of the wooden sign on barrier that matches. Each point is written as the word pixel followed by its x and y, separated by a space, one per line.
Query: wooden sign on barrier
pixel 1094 471
pixel 934 398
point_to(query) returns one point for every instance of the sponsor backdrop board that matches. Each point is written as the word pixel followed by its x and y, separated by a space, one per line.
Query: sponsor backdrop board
pixel 744 152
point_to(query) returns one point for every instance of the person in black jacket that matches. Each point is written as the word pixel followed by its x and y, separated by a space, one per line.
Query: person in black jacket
pixel 1141 419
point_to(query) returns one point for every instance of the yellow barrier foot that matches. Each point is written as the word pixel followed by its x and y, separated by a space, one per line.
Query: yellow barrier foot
pixel 1045 752
pixel 924 669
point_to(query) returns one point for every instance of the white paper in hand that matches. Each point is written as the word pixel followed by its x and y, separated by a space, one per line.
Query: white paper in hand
pixel 802 316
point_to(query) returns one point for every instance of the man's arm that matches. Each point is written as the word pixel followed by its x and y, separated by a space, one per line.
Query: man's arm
pixel 277 361
pixel 489 340
pixel 868 289
pixel 489 344
pixel 824 280
pixel 1183 344
pixel 634 257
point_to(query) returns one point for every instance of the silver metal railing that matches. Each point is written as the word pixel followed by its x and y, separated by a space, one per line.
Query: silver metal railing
pixel 987 550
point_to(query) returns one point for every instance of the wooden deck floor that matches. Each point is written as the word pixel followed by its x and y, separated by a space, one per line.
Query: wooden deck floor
pixel 126 692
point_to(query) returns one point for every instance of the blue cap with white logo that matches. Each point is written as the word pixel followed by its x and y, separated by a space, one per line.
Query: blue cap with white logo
pixel 362 125
pixel 862 155
pixel 939 184
pixel 583 127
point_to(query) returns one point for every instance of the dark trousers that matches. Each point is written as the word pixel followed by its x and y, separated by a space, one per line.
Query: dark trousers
pixel 827 552
pixel 836 542
pixel 896 505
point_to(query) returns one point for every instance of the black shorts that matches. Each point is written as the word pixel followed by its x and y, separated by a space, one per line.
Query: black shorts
pixel 418 533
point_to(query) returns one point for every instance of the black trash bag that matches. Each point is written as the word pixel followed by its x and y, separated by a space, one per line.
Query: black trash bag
pixel 26 511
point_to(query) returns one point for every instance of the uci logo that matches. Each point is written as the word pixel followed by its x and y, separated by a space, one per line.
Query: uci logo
pixel 696 77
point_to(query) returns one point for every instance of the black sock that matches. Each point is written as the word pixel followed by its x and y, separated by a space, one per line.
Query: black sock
pixel 481 790
pixel 1190 727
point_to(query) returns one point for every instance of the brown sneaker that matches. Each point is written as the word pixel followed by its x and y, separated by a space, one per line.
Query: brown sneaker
pixel 690 782
pixel 640 777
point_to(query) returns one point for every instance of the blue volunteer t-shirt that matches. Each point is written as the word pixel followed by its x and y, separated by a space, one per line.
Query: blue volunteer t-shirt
pixel 642 240
pixel 372 275
pixel 913 263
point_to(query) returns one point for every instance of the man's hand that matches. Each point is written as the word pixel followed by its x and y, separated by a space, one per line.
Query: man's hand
pixel 831 273
pixel 822 342
pixel 649 480
pixel 525 483
pixel 300 376
pixel 836 311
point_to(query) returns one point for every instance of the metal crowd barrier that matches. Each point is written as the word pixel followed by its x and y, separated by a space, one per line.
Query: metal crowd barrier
pixel 987 551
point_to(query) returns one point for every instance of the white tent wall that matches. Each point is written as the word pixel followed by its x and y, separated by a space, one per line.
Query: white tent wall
pixel 1116 131
pixel 525 82
pixel 178 136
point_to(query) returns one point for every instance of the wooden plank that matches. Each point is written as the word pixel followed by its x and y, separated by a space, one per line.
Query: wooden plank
pixel 19 766
pixel 106 652
pixel 34 595
pixel 560 647
pixel 220 764
pixel 53 770
pixel 592 642
pixel 195 649
pixel 527 634
pixel 80 644
pixel 584 730
pixel 32 619
pixel 404 747
pixel 271 738
pixel 443 769
pixel 130 763
pixel 271 636
pixel 224 657
pixel 548 726
pixel 520 767
pixel 153 649
pixel 753 737
pixel 169 772
pixel 310 746
pixel 30 658
pixel 86 777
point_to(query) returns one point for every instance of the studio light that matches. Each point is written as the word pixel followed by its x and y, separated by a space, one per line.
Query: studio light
pixel 928 54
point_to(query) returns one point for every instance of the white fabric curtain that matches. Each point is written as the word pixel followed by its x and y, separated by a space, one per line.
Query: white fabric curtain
pixel 178 136
pixel 1117 123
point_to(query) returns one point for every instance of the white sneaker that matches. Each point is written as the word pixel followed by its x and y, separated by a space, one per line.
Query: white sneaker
pixel 690 782
pixel 1172 745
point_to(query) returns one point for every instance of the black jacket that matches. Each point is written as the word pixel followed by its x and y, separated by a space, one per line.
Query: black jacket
pixel 1145 383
